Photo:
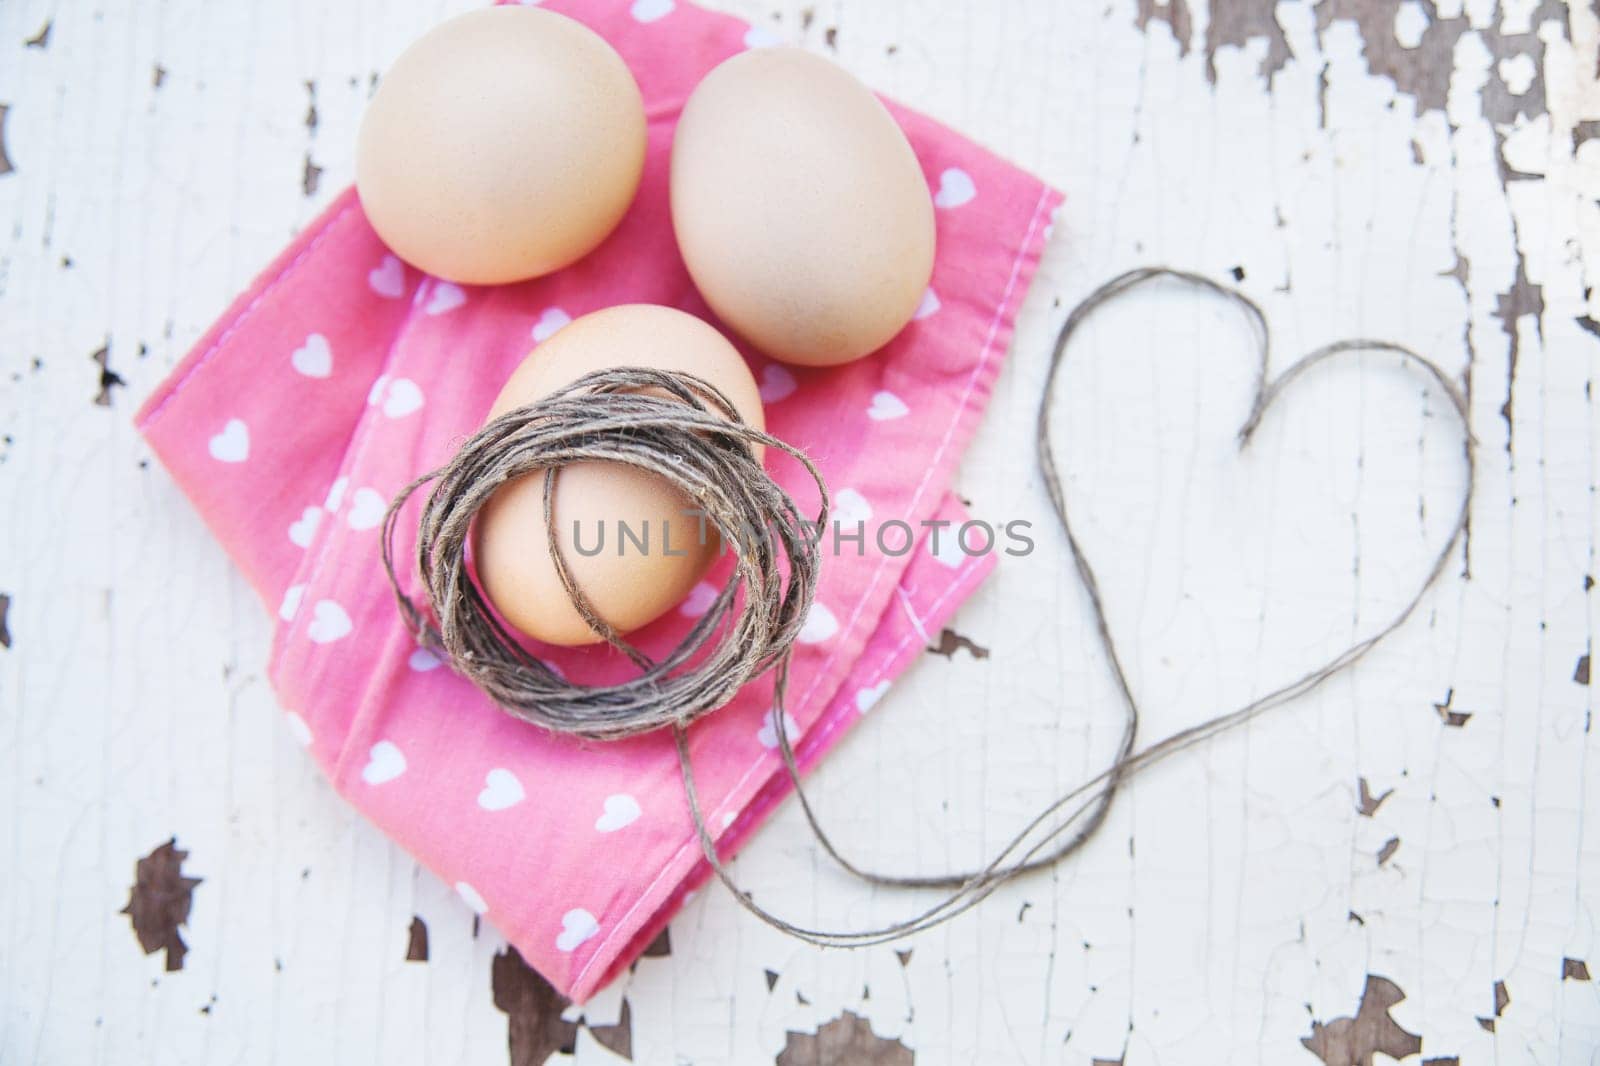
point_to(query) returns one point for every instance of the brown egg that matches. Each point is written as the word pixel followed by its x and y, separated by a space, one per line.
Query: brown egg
pixel 799 207
pixel 628 587
pixel 503 145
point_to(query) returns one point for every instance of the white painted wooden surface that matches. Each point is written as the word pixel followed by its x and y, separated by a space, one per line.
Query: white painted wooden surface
pixel 1236 895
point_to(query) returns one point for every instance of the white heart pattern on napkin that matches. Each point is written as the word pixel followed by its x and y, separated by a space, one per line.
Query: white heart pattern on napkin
pixel 850 508
pixel 501 789
pixel 868 698
pixel 423 659
pixel 335 494
pixel 302 530
pixel 367 509
pixel 397 397
pixel 444 297
pixel 314 358
pixel 621 811
pixel 955 188
pixel 887 406
pixel 388 278
pixel 232 445
pixel 820 624
pixel 291 602
pixel 577 925
pixel 329 623
pixel 699 600
pixel 385 762
pixel 776 383
pixel 929 306
pixel 650 10
pixel 404 397
pixel 552 319
pixel 768 733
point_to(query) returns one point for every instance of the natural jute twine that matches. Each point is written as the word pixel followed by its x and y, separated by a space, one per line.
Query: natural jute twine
pixel 705 452
pixel 694 438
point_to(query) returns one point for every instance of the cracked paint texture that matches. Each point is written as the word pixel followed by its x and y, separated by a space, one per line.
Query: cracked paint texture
pixel 1424 171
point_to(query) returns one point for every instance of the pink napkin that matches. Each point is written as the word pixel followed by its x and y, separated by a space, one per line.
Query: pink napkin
pixel 342 373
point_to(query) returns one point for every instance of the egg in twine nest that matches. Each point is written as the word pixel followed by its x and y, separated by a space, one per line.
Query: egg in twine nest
pixel 683 430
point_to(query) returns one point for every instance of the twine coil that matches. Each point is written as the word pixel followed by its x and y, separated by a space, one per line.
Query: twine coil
pixel 694 438
pixel 705 453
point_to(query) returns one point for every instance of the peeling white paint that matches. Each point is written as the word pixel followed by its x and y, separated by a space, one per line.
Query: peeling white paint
pixel 1214 919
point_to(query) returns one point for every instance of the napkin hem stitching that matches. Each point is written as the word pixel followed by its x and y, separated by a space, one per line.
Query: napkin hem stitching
pixel 263 288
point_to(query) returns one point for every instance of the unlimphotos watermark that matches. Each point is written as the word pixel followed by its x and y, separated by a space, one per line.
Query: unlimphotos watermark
pixel 892 537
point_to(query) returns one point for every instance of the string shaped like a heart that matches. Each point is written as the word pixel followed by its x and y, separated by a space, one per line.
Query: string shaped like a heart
pixel 1083 810
pixel 1264 396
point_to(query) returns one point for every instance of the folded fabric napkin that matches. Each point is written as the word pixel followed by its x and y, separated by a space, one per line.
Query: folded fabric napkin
pixel 342 373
